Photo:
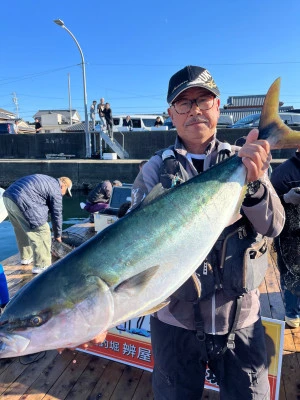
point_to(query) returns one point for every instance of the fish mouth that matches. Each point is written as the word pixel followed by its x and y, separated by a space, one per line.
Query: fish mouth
pixel 12 345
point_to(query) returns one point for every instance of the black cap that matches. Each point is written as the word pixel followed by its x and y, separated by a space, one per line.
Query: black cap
pixel 190 76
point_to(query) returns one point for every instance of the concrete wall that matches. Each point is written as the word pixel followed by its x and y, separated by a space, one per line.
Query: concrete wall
pixel 83 173
pixel 34 146
pixel 139 145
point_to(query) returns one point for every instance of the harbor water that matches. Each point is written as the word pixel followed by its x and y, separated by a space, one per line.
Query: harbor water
pixel 72 214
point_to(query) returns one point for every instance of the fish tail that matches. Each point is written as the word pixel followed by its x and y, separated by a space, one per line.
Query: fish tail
pixel 271 126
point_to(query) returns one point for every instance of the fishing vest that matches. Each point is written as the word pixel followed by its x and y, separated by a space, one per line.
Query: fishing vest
pixel 238 261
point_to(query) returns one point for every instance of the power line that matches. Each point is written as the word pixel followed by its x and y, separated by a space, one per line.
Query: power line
pixel 207 63
pixel 6 81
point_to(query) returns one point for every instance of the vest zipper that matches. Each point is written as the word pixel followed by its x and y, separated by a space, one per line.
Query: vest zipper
pixel 241 231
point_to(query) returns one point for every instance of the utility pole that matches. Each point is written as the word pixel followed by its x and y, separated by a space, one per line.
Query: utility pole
pixel 15 100
pixel 70 104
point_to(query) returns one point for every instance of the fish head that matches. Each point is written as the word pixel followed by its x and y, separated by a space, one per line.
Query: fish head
pixel 44 317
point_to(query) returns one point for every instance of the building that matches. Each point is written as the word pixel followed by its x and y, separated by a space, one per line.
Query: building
pixel 6 116
pixel 23 127
pixel 55 121
pixel 241 106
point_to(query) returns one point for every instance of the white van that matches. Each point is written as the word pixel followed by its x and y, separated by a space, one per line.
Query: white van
pixel 141 122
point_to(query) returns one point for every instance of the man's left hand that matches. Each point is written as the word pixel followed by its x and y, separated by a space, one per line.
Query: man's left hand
pixel 256 156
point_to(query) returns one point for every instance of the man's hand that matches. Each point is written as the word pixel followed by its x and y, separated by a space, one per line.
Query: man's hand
pixel 256 156
pixel 97 339
pixel 293 196
pixel 58 239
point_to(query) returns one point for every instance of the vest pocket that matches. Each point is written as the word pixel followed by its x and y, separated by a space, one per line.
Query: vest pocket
pixel 255 265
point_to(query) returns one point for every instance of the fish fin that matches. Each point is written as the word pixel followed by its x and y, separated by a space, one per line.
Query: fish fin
pixel 271 126
pixel 137 281
pixel 155 193
pixel 156 308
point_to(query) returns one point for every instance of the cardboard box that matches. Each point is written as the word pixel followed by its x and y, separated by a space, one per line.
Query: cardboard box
pixel 110 156
pixel 102 221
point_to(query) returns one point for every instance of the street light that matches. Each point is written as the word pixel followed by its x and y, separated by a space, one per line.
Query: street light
pixel 86 125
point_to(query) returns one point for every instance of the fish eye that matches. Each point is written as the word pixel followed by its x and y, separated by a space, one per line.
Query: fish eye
pixel 36 321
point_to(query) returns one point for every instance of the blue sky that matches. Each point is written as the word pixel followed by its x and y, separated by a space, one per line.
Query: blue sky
pixel 132 48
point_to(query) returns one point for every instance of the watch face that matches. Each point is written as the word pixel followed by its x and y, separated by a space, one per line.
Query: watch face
pixel 252 188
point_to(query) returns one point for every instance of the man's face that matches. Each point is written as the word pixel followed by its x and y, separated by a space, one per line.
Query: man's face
pixel 196 125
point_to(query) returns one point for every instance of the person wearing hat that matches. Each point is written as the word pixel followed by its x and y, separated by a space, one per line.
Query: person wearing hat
pixel 28 201
pixel 213 318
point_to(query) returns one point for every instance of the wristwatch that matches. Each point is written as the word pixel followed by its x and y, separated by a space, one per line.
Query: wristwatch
pixel 252 188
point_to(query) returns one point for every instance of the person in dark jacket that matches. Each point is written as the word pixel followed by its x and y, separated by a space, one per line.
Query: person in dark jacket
pixel 209 319
pixel 38 126
pixel 158 122
pixel 99 197
pixel 128 123
pixel 28 202
pixel 108 119
pixel 286 180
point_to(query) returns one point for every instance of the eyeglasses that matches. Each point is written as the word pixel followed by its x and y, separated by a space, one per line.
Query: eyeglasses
pixel 203 103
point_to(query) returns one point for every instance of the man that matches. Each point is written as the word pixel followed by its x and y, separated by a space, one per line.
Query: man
pixel 286 180
pixel 158 122
pixel 99 197
pixel 128 123
pixel 100 108
pixel 28 202
pixel 16 128
pixel 223 327
pixel 108 119
pixel 38 126
pixel 93 113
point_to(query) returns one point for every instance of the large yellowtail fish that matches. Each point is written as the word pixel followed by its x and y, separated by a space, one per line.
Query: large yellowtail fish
pixel 133 266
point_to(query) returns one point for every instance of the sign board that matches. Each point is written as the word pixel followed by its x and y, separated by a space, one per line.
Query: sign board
pixel 130 343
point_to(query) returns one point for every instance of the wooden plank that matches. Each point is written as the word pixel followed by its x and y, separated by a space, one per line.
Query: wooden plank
pixel 4 364
pixel 69 377
pixel 292 339
pixel 49 375
pixel 290 375
pixel 144 389
pixel 108 381
pixel 24 381
pixel 88 380
pixel 265 308
pixel 7 378
pixel 127 384
pixel 274 292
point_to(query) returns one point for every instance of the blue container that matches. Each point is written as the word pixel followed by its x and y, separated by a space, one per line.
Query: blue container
pixel 4 294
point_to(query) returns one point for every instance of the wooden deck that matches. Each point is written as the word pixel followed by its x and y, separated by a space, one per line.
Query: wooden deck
pixel 79 376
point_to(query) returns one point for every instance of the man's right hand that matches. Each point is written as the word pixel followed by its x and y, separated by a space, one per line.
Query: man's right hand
pixel 97 339
pixel 293 196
